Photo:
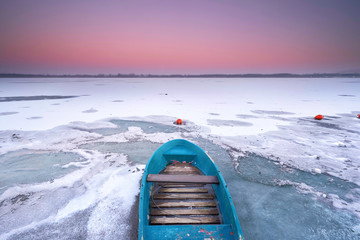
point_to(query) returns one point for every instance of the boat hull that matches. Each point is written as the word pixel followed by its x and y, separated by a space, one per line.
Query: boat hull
pixel 180 150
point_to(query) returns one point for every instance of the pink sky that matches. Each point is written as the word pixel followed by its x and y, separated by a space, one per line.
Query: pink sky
pixel 179 36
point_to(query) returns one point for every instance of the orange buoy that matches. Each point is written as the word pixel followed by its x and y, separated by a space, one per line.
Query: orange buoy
pixel 179 121
pixel 319 117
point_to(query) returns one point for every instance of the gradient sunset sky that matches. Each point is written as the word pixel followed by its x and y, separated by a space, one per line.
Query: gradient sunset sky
pixel 170 36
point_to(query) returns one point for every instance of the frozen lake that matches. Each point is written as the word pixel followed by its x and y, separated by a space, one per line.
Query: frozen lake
pixel 72 152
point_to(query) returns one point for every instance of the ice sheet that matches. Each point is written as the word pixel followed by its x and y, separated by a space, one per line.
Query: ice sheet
pixel 112 126
pixel 201 101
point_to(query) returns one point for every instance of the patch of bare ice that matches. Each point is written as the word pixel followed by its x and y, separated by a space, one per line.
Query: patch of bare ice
pixel 91 110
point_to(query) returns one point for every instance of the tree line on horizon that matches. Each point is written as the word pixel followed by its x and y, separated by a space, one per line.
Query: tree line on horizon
pixel 132 75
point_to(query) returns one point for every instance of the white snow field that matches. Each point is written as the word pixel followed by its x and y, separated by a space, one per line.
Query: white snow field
pixel 72 152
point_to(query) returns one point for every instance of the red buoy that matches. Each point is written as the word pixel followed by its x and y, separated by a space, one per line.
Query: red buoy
pixel 358 115
pixel 319 117
pixel 179 121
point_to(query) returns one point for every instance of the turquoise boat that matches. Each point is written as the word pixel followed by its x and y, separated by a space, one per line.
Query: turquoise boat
pixel 184 196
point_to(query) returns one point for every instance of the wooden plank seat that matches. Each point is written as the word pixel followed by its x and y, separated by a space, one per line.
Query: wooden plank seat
pixel 180 196
pixel 183 204
pixel 180 185
pixel 165 178
pixel 208 211
pixel 189 220
pixel 183 190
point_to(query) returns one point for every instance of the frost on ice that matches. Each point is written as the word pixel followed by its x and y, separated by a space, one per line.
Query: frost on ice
pixel 66 174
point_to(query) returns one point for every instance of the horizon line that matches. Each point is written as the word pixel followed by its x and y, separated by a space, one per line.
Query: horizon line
pixel 210 75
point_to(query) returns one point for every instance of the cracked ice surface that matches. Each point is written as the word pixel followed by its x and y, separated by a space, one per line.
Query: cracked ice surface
pixel 291 177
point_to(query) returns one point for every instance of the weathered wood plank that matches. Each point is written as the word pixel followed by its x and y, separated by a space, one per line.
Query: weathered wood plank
pixel 181 165
pixel 180 185
pixel 207 211
pixel 181 173
pixel 182 178
pixel 182 196
pixel 184 204
pixel 183 220
pixel 181 169
pixel 184 190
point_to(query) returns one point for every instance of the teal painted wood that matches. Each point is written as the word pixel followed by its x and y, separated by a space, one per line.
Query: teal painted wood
pixel 194 232
pixel 182 150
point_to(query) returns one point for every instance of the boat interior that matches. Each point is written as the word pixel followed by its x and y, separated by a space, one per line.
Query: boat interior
pixel 182 194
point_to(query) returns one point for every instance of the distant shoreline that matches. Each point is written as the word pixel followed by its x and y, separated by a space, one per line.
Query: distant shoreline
pixel 276 75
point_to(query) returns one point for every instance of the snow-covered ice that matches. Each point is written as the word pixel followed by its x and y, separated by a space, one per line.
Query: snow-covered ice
pixel 72 152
